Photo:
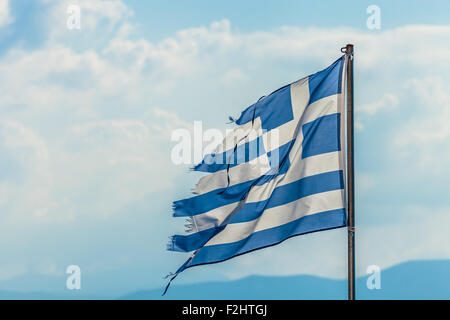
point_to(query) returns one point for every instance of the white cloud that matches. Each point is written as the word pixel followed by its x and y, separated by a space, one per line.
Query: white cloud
pixel 92 131
pixel 232 76
pixel 170 121
pixel 114 11
pixel 10 270
pixel 387 102
pixel 425 135
pixel 5 14
pixel 366 181
pixel 16 136
pixel 99 19
pixel 422 237
pixel 49 268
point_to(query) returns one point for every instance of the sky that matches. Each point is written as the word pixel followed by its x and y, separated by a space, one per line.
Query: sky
pixel 87 114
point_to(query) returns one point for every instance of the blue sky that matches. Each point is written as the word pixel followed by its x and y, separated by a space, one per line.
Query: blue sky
pixel 87 115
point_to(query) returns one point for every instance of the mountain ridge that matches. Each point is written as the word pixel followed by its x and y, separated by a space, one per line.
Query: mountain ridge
pixel 419 279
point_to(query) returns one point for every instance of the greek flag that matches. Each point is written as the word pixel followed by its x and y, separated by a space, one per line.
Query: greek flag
pixel 279 174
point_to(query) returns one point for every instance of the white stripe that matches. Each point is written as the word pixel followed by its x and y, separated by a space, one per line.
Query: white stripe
pixel 280 215
pixel 343 124
pixel 238 135
pixel 301 168
pixel 241 173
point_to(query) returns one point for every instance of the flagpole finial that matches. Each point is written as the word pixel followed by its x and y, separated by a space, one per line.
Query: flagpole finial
pixel 348 49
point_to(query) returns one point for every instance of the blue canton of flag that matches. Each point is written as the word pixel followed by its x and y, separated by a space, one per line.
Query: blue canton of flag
pixel 251 200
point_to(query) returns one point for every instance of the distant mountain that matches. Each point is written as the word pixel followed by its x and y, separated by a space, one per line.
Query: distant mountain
pixel 253 287
pixel 410 280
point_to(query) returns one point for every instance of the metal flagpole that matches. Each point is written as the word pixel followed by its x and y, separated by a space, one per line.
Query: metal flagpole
pixel 350 176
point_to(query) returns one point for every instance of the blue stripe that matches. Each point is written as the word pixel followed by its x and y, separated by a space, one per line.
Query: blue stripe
pixel 273 110
pixel 211 200
pixel 223 196
pixel 219 197
pixel 279 156
pixel 186 243
pixel 244 153
pixel 326 82
pixel 321 135
pixel 247 115
pixel 316 222
pixel 274 172
pixel 281 195
pixel 293 191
